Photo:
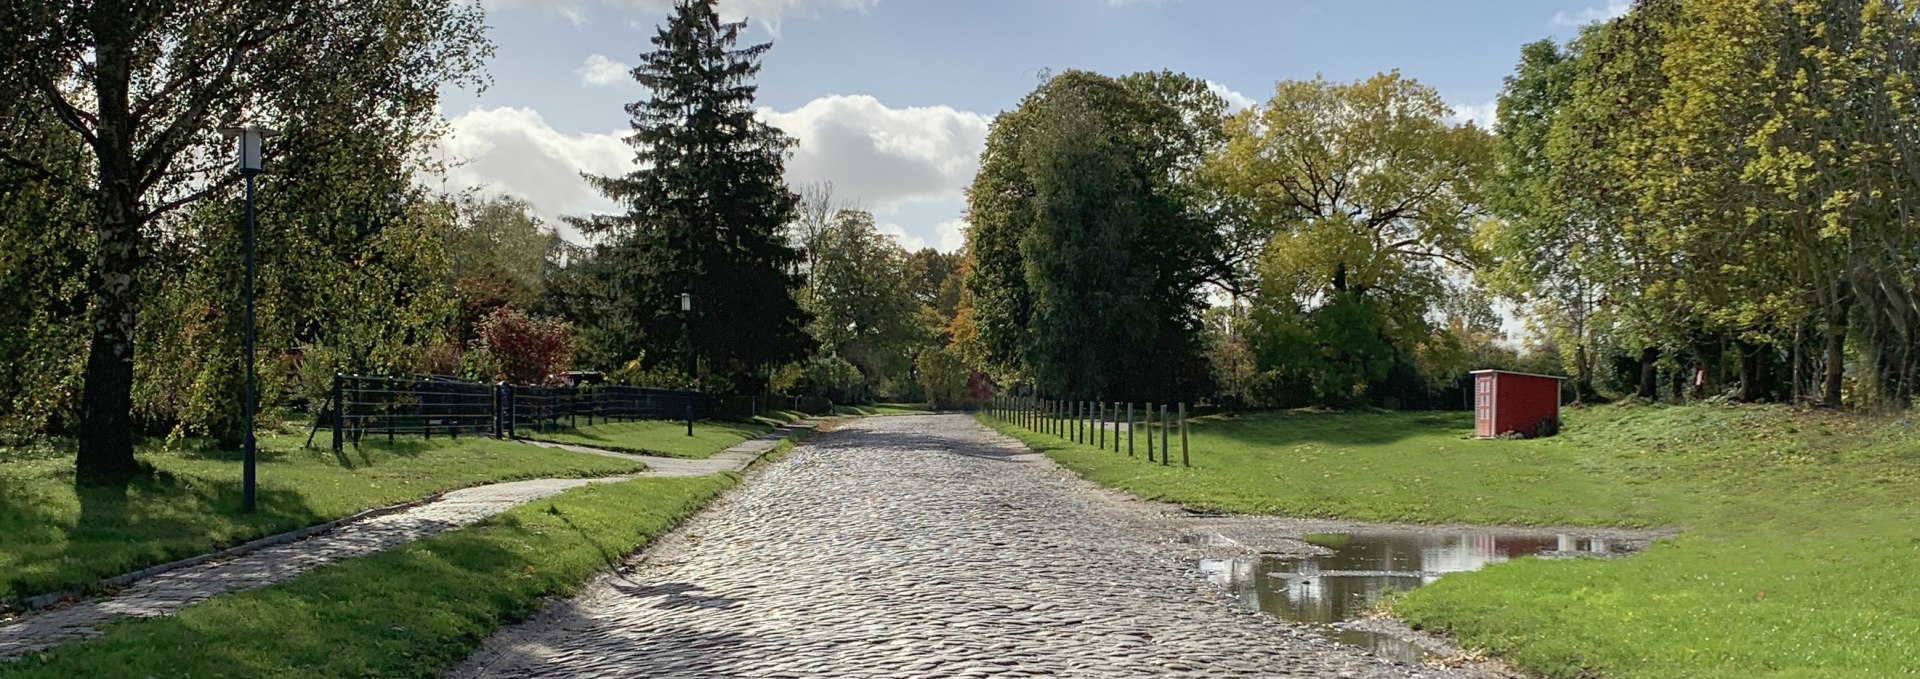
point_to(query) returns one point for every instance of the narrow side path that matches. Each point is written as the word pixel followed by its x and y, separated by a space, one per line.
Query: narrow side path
pixel 169 592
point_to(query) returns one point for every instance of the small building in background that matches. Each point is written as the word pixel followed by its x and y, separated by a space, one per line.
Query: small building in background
pixel 1515 403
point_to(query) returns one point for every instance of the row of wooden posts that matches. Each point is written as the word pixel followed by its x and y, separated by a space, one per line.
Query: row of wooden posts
pixel 1087 422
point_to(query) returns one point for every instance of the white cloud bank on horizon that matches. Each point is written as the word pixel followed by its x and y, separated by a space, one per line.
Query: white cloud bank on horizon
pixel 881 157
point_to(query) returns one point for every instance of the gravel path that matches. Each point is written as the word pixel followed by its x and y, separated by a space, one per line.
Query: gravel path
pixel 914 547
pixel 169 592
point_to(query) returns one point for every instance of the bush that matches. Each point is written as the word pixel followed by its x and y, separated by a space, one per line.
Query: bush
pixel 525 349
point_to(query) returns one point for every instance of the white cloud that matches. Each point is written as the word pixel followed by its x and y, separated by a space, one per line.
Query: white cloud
pixel 600 71
pixel 1485 115
pixel 513 151
pixel 1236 102
pixel 1614 10
pixel 953 235
pixel 900 235
pixel 883 156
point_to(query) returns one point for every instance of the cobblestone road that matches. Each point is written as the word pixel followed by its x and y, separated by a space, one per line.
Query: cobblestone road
pixel 913 547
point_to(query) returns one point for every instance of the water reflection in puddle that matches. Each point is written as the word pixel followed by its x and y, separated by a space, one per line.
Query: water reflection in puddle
pixel 1345 585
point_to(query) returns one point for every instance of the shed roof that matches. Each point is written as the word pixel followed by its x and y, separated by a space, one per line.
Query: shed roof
pixel 1513 372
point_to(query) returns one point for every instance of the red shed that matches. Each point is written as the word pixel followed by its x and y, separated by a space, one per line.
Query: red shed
pixel 1515 402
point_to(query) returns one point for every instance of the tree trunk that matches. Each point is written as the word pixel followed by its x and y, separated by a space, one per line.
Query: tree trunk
pixel 1836 353
pixel 1649 373
pixel 1583 374
pixel 106 400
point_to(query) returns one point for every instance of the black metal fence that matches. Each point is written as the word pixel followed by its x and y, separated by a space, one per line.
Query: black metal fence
pixel 426 405
pixel 545 409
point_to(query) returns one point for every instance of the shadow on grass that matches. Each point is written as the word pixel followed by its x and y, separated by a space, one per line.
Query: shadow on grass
pixel 1273 429
pixel 153 519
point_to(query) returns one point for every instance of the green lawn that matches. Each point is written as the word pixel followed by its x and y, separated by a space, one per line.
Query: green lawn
pixel 667 438
pixel 54 537
pixel 882 409
pixel 413 611
pixel 1800 554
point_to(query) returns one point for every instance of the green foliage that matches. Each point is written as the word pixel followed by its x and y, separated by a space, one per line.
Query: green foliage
pixel 56 537
pixel 415 610
pixel 1370 196
pixel 144 87
pixel 943 377
pixel 502 255
pixel 834 378
pixel 1698 180
pixel 1088 247
pixel 861 293
pixel 43 224
pixel 704 214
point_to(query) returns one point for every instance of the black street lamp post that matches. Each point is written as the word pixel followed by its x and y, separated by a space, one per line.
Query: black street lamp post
pixel 250 137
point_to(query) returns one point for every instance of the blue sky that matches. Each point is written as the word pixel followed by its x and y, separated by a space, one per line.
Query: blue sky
pixel 890 99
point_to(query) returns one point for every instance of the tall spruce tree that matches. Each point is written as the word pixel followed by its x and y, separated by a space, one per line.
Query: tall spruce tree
pixel 704 212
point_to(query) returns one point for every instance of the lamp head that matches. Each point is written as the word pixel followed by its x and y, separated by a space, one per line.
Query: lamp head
pixel 251 136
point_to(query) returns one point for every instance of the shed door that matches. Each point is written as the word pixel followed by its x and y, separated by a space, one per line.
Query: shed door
pixel 1483 405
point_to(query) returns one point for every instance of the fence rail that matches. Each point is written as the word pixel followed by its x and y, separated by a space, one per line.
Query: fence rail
pixel 544 409
pixel 425 405
pixel 1109 426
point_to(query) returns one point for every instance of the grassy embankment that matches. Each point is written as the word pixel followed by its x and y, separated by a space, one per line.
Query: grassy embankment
pixel 54 537
pixel 1800 549
pixel 414 611
pixel 668 438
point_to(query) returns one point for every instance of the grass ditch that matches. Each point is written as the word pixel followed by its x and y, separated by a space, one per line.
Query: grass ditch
pixel 1801 540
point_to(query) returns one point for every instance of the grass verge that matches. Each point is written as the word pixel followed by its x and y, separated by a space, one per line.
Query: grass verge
pixel 1801 547
pixel 56 537
pixel 665 438
pixel 413 611
pixel 881 409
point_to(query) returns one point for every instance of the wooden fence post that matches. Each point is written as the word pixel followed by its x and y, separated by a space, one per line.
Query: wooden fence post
pixel 1129 429
pixel 1166 453
pixel 1149 423
pixel 1101 423
pixel 1183 436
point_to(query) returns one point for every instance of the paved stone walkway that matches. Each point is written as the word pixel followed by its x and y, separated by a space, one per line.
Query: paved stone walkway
pixel 914 547
pixel 167 593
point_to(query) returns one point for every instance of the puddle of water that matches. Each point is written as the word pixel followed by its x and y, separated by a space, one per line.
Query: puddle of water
pixel 1345 585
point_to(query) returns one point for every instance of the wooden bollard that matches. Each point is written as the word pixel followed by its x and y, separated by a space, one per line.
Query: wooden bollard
pixel 1129 429
pixel 1100 423
pixel 1183 436
pixel 1166 452
pixel 1149 423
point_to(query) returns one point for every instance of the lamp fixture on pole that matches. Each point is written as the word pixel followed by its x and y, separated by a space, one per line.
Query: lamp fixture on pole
pixel 250 137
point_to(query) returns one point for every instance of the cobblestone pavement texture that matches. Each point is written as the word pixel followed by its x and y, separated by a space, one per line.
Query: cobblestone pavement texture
pixel 167 593
pixel 921 546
